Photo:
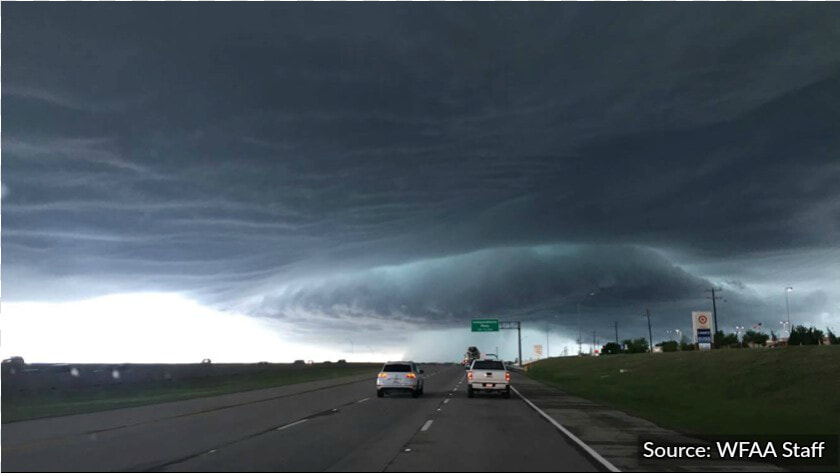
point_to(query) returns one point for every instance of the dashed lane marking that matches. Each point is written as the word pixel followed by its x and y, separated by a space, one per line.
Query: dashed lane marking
pixel 292 424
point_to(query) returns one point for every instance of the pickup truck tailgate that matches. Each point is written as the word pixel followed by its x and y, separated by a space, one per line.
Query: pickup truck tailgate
pixel 489 377
pixel 488 374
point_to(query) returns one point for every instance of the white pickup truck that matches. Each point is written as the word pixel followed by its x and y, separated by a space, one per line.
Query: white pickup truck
pixel 488 376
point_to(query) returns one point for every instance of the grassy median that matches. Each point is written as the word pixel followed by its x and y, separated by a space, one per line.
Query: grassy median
pixel 58 403
pixel 794 390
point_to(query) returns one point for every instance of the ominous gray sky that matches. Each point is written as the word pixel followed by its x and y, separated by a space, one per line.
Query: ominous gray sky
pixel 354 170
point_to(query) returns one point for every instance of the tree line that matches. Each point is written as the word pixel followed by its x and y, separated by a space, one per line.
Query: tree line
pixel 800 335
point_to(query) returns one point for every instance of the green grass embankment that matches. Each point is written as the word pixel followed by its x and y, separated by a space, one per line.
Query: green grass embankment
pixel 59 403
pixel 794 390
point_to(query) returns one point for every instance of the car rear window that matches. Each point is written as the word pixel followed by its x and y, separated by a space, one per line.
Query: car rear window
pixel 397 369
pixel 489 365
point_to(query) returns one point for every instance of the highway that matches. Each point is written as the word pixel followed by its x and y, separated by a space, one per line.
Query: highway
pixel 322 426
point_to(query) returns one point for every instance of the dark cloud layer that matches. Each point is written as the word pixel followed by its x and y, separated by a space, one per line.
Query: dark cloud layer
pixel 511 282
pixel 300 153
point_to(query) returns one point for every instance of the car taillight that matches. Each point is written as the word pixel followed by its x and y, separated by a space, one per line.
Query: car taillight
pixel 411 376
pixel 507 376
pixel 469 376
pixel 383 375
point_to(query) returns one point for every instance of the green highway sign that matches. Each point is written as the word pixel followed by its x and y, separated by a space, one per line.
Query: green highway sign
pixel 485 325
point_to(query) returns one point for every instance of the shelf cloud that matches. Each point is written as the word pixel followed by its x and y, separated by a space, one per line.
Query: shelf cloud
pixel 351 169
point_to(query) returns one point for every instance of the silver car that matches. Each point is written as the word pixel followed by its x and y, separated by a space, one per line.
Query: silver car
pixel 400 376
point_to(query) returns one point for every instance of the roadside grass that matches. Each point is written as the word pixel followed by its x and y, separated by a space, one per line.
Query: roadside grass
pixel 784 391
pixel 52 404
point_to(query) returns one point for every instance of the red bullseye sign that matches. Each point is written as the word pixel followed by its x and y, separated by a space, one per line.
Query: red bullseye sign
pixel 703 320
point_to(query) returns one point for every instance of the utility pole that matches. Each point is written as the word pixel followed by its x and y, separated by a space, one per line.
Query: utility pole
pixel 714 298
pixel 650 331
pixel 594 343
pixel 616 332
pixel 580 327
pixel 580 333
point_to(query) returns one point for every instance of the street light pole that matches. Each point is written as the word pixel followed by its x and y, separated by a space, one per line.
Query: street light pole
pixel 514 325
pixel 650 331
pixel 547 342
pixel 739 331
pixel 788 290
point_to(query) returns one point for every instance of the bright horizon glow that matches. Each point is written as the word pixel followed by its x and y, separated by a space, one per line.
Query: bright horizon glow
pixel 150 328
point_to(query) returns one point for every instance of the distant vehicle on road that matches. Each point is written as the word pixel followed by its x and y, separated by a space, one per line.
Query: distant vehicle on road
pixel 14 361
pixel 488 376
pixel 400 376
pixel 14 364
pixel 471 355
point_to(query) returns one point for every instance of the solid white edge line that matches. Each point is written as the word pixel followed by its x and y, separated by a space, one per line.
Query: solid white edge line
pixel 603 461
pixel 292 424
pixel 426 426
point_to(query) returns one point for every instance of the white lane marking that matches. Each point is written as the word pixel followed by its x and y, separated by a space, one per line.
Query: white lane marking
pixel 363 400
pixel 446 401
pixel 426 426
pixel 292 424
pixel 603 461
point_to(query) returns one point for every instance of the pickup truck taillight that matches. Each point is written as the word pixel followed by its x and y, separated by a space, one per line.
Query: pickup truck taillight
pixel 507 376
pixel 469 376
pixel 411 376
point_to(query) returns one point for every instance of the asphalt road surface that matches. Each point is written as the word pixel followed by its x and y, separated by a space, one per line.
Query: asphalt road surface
pixel 341 426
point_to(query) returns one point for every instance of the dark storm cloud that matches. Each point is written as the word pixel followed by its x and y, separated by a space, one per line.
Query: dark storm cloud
pixel 513 282
pixel 232 149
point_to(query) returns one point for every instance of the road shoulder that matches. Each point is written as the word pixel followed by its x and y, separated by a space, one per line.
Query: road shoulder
pixel 614 434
